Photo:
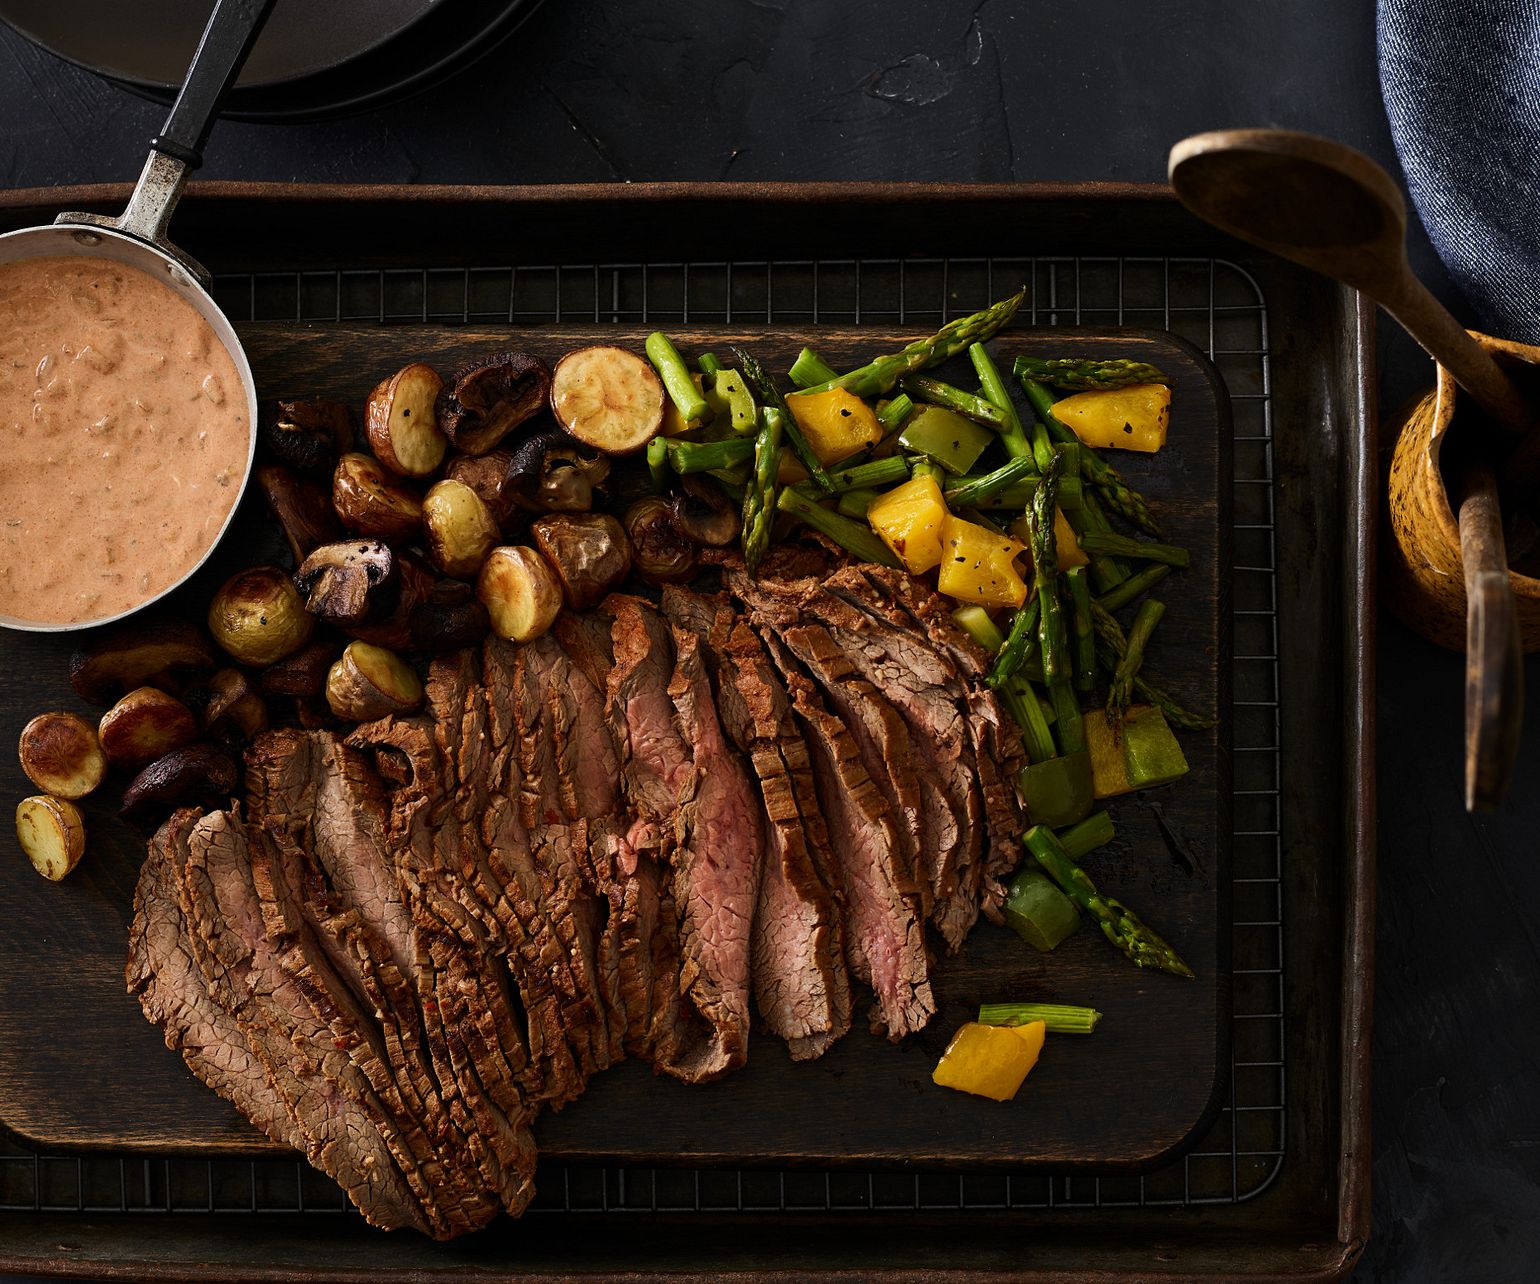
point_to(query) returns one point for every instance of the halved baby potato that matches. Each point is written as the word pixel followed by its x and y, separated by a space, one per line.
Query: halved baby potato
pixel 61 755
pixel 608 398
pixel 144 725
pixel 52 833
pixel 459 527
pixel 370 501
pixel 369 682
pixel 401 421
pixel 520 591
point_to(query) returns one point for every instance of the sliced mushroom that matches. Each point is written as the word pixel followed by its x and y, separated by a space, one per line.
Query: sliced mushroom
pixel 300 674
pixel 184 775
pixel 483 403
pixel 61 755
pixel 236 711
pixel 144 725
pixel 350 582
pixel 372 502
pixel 395 630
pixel 660 552
pixel 705 514
pixel 128 656
pixel 551 473
pixel 302 509
pixel 307 436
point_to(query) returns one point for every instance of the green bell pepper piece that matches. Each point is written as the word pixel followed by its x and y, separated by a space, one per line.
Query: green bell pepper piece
pixel 732 402
pixel 1058 791
pixel 1151 754
pixel 945 438
pixel 1038 912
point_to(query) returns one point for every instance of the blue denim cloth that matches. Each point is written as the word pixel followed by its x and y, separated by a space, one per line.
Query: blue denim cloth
pixel 1461 81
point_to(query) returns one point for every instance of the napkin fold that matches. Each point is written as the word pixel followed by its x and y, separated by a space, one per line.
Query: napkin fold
pixel 1461 83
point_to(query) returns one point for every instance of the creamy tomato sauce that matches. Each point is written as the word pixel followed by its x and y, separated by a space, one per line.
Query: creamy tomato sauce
pixel 125 436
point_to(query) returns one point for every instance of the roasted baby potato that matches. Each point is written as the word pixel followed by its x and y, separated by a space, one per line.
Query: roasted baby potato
pixel 259 617
pixel 459 529
pixel 236 710
pixel 302 509
pixel 589 552
pixel 184 775
pixel 306 436
pixel 369 682
pixel 144 725
pixel 487 401
pixel 61 755
pixel 402 424
pixel 52 833
pixel 520 591
pixel 371 502
pixel 120 659
pixel 607 398
pixel 350 582
pixel 300 674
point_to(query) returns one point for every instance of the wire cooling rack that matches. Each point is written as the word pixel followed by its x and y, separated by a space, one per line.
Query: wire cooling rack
pixel 1211 303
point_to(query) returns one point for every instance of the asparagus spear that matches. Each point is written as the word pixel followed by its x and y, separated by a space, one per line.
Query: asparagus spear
pixel 1119 924
pixel 759 498
pixel 1085 631
pixel 676 378
pixel 992 387
pixel 810 369
pixel 1045 569
pixel 1020 643
pixel 657 464
pixel 1079 374
pixel 854 537
pixel 892 415
pixel 879 375
pixel 1106 572
pixel 1145 620
pixel 1111 643
pixel 1122 498
pixel 1060 1018
pixel 1015 692
pixel 855 503
pixel 976 491
pixel 1140 582
pixel 1127 546
pixel 1080 840
pixel 871 475
pixel 967 404
pixel 769 395
pixel 707 456
pixel 708 363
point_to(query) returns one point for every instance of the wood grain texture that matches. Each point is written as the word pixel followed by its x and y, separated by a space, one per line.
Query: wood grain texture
pixel 80 1067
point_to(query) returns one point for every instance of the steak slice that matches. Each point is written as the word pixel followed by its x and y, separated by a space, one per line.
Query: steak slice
pixel 163 974
pixel 800 983
pixel 884 929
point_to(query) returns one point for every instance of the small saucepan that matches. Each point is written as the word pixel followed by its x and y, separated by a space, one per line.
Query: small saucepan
pixel 137 239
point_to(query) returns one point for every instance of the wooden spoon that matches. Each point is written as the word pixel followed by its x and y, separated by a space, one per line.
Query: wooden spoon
pixel 1330 208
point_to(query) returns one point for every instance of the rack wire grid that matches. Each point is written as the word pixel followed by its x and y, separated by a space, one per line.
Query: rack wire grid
pixel 1213 304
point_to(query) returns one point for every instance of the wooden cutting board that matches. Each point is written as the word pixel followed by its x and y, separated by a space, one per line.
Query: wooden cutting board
pixel 80 1067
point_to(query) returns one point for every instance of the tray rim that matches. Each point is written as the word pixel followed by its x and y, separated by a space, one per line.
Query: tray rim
pixel 1351 1179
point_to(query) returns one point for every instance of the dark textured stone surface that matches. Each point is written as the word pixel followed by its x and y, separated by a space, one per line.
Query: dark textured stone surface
pixel 1034 89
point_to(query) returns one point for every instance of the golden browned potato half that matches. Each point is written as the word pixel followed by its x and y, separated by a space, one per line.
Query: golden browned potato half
pixel 372 502
pixel 520 591
pixel 369 682
pixel 61 755
pixel 607 398
pixel 589 552
pixel 401 421
pixel 144 725
pixel 52 833
pixel 460 529
pixel 259 617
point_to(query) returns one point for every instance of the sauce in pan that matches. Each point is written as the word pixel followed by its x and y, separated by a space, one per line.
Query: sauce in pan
pixel 123 438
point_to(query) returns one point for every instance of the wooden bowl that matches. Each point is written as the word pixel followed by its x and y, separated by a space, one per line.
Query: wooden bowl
pixel 1424 584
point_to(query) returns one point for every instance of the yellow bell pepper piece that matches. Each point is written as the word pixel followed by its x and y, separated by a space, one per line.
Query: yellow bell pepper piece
pixel 909 520
pixel 836 423
pixel 989 1060
pixel 1032 1034
pixel 979 565
pixel 1133 418
pixel 1066 543
pixel 1109 776
pixel 674 424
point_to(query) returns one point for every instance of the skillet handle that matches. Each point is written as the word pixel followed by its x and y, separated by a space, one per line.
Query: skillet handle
pixel 232 30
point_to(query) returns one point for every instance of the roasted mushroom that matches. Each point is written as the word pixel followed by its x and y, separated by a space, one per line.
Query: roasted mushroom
pixel 704 513
pixel 447 626
pixel 401 422
pixel 660 552
pixel 300 674
pixel 458 526
pixel 61 755
pixel 520 591
pixel 371 502
pixel 128 656
pixel 395 630
pixel 350 582
pixel 144 725
pixel 369 682
pixel 52 833
pixel 306 436
pixel 236 712
pixel 551 473
pixel 259 617
pixel 302 509
pixel 184 775
pixel 485 402
pixel 589 552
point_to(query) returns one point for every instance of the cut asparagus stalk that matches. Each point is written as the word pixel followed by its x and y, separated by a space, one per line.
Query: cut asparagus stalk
pixel 854 537
pixel 1060 1018
pixel 769 395
pixel 676 378
pixel 1078 374
pixel 1136 585
pixel 759 498
pixel 1079 841
pixel 705 456
pixel 1127 546
pixel 978 491
pixel 892 415
pixel 1118 695
pixel 810 369
pixel 967 404
pixel 1084 630
pixel 992 387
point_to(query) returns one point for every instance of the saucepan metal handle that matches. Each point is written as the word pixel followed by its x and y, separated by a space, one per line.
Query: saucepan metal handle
pixel 178 149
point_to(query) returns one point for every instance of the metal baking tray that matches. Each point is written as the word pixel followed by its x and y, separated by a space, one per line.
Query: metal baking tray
pixel 1279 1184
